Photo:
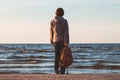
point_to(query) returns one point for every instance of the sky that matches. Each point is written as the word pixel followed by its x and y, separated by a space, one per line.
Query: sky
pixel 90 21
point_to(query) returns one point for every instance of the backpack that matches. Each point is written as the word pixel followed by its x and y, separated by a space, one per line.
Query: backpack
pixel 66 58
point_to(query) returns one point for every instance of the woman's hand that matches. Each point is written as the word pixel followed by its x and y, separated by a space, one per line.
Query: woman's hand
pixel 65 44
pixel 51 42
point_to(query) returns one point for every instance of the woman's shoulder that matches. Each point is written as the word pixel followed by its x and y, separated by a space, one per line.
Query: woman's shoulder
pixel 65 20
pixel 51 21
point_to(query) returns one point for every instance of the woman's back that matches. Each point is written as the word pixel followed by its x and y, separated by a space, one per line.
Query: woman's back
pixel 58 27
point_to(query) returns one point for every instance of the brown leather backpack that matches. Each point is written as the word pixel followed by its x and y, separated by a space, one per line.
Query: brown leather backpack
pixel 66 58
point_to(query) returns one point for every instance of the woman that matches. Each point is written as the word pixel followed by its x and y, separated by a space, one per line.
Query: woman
pixel 59 37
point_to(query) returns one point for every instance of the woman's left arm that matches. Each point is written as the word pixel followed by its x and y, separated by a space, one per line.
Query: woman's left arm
pixel 51 33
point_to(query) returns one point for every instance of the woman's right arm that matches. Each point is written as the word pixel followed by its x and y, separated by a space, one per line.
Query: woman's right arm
pixel 66 34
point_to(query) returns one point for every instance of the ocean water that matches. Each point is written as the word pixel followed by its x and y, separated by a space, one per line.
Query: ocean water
pixel 39 58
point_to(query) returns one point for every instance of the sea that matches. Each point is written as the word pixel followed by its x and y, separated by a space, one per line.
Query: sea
pixel 39 58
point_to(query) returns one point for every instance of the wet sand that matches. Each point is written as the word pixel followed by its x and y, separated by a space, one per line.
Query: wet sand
pixel 59 77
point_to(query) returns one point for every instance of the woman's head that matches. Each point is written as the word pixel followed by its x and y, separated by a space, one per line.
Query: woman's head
pixel 59 12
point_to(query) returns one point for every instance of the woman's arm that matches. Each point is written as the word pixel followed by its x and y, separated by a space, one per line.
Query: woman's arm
pixel 51 33
pixel 66 34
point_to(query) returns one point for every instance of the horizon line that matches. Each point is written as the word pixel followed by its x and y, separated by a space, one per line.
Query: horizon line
pixel 69 43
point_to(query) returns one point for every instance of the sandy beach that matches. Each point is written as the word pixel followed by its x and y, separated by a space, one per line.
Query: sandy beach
pixel 59 77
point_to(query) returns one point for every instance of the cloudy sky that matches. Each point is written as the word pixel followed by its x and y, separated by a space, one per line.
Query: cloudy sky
pixel 90 21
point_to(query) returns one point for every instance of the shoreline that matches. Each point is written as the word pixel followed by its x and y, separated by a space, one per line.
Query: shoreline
pixel 111 76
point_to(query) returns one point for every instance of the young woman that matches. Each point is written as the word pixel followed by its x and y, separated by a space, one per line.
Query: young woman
pixel 59 37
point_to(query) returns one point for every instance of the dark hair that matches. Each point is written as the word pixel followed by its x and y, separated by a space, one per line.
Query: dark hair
pixel 59 12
